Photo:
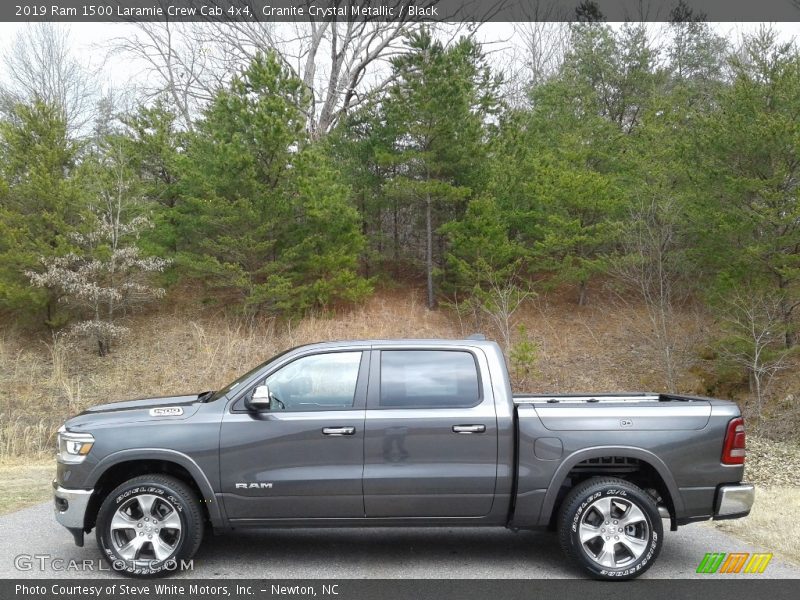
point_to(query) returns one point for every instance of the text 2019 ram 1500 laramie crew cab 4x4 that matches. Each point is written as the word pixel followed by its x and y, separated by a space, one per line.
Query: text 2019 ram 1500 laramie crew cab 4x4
pixel 398 432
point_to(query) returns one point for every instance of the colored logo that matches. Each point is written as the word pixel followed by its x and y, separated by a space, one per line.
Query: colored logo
pixel 734 562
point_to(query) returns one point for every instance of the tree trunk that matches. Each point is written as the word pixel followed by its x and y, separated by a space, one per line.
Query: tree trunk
pixel 50 313
pixel 429 251
pixel 789 338
pixel 582 293
pixel 786 315
pixel 396 241
pixel 364 232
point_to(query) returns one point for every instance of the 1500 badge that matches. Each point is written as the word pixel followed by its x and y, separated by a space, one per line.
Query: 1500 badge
pixel 168 411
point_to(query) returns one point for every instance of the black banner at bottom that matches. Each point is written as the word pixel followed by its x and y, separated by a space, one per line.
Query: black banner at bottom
pixel 393 589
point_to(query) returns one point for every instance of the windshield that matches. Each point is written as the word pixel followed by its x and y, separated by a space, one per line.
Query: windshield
pixel 236 383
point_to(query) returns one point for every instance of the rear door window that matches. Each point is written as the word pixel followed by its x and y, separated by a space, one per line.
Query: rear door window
pixel 428 379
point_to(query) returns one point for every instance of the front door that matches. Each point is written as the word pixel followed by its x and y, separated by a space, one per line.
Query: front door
pixel 304 457
pixel 431 435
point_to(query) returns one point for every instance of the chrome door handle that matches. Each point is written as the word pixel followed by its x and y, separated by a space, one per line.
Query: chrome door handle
pixel 338 430
pixel 469 428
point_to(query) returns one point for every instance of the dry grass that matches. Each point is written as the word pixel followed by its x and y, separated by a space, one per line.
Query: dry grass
pixel 604 346
pixel 774 522
pixel 181 349
pixel 24 484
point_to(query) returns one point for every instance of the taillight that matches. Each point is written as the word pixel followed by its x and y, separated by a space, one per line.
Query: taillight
pixel 733 451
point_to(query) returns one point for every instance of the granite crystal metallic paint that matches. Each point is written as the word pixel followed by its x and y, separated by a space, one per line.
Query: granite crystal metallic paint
pixel 502 460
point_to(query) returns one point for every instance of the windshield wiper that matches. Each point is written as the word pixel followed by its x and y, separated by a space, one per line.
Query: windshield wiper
pixel 205 395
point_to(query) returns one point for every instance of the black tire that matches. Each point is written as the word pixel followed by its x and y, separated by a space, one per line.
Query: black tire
pixel 170 494
pixel 641 541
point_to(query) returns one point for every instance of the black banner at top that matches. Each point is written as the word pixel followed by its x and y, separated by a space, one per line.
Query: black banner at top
pixel 399 10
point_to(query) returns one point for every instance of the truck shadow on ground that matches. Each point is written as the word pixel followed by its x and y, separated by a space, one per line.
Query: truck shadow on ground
pixel 376 552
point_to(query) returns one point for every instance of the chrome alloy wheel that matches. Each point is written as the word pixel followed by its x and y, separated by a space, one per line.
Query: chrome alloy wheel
pixel 614 532
pixel 146 528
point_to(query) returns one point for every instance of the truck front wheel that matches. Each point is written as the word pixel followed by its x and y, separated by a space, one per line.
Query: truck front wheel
pixel 149 526
pixel 610 528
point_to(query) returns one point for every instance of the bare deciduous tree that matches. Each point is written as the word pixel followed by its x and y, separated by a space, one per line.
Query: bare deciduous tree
pixel 500 295
pixel 341 63
pixel 544 40
pixel 40 66
pixel 650 269
pixel 179 63
pixel 102 288
pixel 753 322
pixel 498 298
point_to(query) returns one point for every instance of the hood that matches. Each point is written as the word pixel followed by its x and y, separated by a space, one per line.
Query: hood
pixel 166 408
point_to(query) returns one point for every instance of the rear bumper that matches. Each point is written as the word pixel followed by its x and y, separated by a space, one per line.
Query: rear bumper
pixel 70 509
pixel 734 501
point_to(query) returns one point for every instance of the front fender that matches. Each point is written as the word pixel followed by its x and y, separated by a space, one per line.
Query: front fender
pixel 218 518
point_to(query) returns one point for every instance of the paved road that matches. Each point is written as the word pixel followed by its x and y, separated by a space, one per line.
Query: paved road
pixel 366 553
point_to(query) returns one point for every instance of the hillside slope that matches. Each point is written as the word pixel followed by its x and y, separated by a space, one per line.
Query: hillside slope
pixel 599 347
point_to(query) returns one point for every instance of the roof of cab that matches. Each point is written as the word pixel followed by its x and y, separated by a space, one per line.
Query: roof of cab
pixel 398 342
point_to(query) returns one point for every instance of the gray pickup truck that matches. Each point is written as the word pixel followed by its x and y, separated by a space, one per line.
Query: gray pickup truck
pixel 392 433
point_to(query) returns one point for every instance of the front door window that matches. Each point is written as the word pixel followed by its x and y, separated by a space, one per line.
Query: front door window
pixel 317 382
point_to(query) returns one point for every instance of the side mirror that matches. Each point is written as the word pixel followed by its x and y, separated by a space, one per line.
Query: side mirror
pixel 261 400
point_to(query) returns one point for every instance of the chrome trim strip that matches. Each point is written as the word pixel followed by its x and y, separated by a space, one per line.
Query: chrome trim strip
pixel 556 400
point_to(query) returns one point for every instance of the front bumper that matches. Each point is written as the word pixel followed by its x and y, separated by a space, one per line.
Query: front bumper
pixel 70 509
pixel 734 501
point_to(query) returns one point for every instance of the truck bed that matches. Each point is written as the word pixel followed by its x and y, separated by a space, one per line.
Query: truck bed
pixel 616 412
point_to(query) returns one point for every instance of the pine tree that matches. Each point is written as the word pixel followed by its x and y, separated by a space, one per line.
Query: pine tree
pixel 554 177
pixel 40 205
pixel 748 169
pixel 263 213
pixel 612 71
pixel 437 109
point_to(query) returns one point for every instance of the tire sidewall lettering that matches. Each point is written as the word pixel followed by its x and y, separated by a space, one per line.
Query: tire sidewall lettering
pixel 576 519
pixel 154 567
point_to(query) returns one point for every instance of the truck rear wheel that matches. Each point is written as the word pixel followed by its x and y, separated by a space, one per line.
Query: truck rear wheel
pixel 149 526
pixel 610 528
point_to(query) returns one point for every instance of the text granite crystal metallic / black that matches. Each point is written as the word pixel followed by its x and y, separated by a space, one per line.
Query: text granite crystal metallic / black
pixel 398 432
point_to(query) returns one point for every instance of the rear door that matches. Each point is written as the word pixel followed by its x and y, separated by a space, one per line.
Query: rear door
pixel 305 458
pixel 430 445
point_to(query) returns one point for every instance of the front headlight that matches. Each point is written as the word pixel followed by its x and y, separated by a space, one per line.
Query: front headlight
pixel 73 447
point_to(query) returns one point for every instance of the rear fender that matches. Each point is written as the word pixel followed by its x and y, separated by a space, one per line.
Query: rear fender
pixel 548 505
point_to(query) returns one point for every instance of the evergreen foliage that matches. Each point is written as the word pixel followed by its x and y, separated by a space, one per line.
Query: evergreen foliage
pixel 670 169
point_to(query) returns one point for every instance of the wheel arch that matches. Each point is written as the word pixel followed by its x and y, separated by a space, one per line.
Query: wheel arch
pixel 553 495
pixel 126 464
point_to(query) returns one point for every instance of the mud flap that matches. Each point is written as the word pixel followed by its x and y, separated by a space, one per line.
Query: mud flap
pixel 77 534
